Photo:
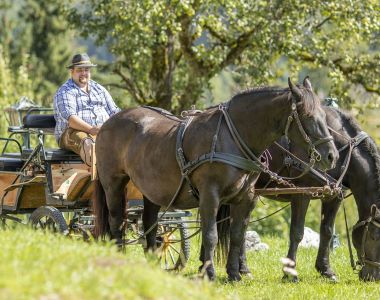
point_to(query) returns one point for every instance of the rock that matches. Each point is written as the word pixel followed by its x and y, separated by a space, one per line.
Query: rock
pixel 253 242
pixel 310 238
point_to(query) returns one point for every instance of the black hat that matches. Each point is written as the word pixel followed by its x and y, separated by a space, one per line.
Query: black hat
pixel 80 60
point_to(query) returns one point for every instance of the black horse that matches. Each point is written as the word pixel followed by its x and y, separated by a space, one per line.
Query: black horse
pixel 213 153
pixel 361 165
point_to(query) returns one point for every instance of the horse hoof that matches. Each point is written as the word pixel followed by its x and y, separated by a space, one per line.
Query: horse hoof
pixel 289 278
pixel 330 275
pixel 234 278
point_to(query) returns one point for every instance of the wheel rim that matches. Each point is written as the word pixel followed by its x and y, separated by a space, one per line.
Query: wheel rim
pixel 169 247
pixel 47 223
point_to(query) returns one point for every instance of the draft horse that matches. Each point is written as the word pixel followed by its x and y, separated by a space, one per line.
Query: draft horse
pixel 213 154
pixel 358 169
pixel 362 177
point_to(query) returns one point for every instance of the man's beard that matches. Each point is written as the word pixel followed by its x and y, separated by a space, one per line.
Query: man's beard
pixel 83 80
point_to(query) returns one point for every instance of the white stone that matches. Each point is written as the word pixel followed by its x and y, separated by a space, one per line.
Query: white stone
pixel 310 238
pixel 253 242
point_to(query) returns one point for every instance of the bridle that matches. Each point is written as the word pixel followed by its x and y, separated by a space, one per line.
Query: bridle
pixel 363 260
pixel 313 152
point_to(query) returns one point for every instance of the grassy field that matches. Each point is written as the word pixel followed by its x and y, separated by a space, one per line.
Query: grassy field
pixel 43 266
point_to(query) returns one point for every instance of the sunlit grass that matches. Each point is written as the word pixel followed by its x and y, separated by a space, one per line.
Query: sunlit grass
pixel 43 266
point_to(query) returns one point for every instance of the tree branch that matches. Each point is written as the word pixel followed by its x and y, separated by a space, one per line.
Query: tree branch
pixel 322 22
pixel 131 86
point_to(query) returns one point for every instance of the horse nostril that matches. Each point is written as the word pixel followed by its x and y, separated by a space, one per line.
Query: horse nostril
pixel 331 158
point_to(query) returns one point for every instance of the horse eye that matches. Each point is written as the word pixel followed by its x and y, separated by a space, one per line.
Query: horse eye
pixel 374 233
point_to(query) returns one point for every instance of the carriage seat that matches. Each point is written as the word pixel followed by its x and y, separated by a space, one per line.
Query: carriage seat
pixel 55 154
pixel 48 122
pixel 11 164
pixel 39 121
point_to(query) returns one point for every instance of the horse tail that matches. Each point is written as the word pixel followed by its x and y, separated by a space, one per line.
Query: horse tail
pixel 223 227
pixel 100 210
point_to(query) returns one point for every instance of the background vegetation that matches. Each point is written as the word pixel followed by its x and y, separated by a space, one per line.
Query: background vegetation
pixel 177 53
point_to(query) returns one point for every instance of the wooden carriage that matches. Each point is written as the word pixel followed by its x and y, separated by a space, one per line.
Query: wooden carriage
pixel 51 184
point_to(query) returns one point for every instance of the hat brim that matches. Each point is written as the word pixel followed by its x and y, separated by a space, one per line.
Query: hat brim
pixel 81 66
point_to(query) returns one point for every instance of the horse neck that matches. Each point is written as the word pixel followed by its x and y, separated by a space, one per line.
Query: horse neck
pixel 260 118
pixel 363 174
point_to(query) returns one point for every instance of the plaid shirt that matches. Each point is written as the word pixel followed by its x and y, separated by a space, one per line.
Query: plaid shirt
pixel 94 107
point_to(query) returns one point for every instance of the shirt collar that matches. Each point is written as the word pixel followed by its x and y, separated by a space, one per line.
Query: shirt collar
pixel 73 84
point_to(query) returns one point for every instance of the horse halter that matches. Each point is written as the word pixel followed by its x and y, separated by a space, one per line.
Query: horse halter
pixel 313 152
pixel 362 259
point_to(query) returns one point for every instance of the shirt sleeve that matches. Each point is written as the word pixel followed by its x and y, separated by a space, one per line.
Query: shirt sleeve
pixel 65 105
pixel 111 107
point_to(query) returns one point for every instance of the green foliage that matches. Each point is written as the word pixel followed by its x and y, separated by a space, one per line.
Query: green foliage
pixel 166 52
pixel 37 30
pixel 13 85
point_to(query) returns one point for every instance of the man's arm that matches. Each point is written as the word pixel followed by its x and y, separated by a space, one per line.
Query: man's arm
pixel 77 123
pixel 111 107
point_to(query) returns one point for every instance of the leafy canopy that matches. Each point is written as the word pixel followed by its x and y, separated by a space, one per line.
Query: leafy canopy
pixel 166 52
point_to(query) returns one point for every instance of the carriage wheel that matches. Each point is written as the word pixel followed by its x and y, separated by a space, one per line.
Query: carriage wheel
pixel 49 218
pixel 173 245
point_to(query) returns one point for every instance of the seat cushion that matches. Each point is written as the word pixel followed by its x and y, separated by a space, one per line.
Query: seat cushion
pixel 39 121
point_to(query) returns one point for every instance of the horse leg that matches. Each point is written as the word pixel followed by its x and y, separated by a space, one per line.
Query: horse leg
pixel 149 218
pixel 299 206
pixel 115 199
pixel 329 211
pixel 240 215
pixel 243 266
pixel 208 209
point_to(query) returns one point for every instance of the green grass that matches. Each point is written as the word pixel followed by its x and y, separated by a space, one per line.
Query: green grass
pixel 35 265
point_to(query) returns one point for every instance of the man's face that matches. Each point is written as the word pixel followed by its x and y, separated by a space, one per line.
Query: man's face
pixel 81 75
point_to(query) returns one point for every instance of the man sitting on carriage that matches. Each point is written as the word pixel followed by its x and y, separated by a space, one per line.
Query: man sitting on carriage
pixel 81 106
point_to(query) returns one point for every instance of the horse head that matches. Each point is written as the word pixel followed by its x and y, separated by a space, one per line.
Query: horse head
pixel 366 240
pixel 307 125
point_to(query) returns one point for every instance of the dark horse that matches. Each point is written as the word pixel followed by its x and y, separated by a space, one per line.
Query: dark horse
pixel 362 178
pixel 165 158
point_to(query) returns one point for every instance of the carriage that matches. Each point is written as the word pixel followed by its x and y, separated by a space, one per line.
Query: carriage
pixel 52 188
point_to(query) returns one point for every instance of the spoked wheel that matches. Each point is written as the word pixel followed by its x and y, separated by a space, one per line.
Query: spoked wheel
pixel 173 245
pixel 49 218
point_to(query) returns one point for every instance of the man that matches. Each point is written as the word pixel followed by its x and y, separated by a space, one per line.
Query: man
pixel 81 106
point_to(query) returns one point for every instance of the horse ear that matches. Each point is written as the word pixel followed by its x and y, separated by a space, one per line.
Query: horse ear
pixel 295 90
pixel 307 83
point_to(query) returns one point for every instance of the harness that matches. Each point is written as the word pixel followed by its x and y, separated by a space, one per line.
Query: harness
pixel 250 163
pixel 351 145
pixel 292 161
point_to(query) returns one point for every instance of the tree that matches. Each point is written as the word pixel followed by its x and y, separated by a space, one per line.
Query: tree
pixel 36 30
pixel 167 51
pixel 13 85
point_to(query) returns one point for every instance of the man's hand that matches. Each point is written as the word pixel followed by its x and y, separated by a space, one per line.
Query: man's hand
pixel 94 130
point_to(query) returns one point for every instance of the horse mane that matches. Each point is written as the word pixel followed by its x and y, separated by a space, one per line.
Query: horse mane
pixel 310 101
pixel 369 144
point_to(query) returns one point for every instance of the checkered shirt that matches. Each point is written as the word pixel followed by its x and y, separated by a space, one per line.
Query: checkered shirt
pixel 94 107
